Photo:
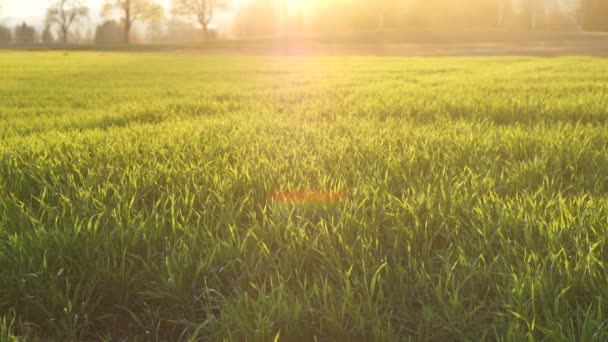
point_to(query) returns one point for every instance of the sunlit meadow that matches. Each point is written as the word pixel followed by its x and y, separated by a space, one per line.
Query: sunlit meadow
pixel 173 197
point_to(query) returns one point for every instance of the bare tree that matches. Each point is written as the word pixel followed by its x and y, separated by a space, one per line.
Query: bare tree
pixel 201 10
pixel 65 13
pixel 155 29
pixel 132 11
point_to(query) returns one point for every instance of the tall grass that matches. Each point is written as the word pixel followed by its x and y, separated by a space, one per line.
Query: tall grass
pixel 136 198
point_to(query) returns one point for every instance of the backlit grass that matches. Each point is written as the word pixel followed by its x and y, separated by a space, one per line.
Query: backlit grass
pixel 166 197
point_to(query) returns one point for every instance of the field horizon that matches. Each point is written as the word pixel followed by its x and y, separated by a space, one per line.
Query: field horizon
pixel 411 42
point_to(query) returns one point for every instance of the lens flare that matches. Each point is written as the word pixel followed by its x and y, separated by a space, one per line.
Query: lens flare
pixel 307 196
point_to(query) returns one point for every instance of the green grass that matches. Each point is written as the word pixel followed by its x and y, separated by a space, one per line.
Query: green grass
pixel 135 198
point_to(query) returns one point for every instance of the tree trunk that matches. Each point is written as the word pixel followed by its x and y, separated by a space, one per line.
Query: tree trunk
pixel 127 33
pixel 205 32
pixel 501 12
pixel 127 22
pixel 64 36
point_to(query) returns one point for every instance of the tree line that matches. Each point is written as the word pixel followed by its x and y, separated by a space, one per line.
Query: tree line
pixel 357 15
pixel 63 15
pixel 191 19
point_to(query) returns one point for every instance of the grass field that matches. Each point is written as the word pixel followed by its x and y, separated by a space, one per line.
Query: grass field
pixel 151 197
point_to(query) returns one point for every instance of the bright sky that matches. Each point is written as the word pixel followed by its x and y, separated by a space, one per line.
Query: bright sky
pixel 33 11
pixel 28 8
pixel 23 9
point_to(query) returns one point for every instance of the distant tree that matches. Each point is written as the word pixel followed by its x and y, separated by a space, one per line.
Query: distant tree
pixel 181 31
pixel 89 36
pixel 6 37
pixel 359 15
pixel 109 33
pixel 64 13
pixel 47 35
pixel 155 29
pixel 200 10
pixel 559 15
pixel 78 36
pixel 595 15
pixel 341 15
pixel 463 13
pixel 248 22
pixel 132 11
pixel 25 35
pixel 484 12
